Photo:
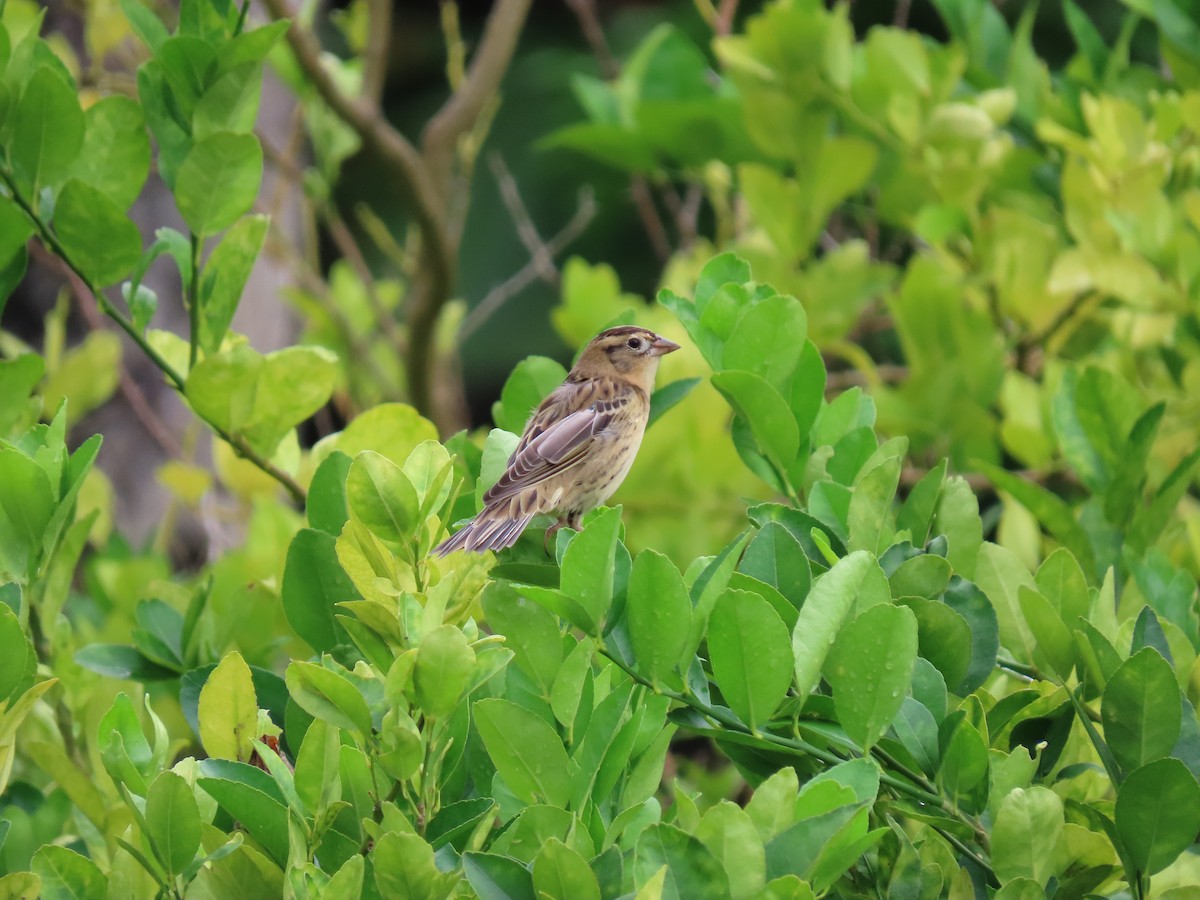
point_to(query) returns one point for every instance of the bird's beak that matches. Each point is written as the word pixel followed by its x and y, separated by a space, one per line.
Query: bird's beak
pixel 661 346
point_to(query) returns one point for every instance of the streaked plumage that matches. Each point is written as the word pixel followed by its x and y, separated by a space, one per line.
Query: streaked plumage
pixel 578 445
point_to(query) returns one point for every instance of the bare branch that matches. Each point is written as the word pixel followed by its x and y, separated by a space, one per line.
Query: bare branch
pixel 526 230
pixel 593 33
pixel 375 56
pixel 531 271
pixel 487 68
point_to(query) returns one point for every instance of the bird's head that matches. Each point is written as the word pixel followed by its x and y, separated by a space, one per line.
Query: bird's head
pixel 626 352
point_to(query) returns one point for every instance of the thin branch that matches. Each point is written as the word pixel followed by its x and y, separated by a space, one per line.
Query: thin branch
pixel 488 65
pixel 376 53
pixel 239 444
pixel 593 33
pixel 394 150
pixel 724 21
pixel 139 404
pixel 531 271
pixel 526 230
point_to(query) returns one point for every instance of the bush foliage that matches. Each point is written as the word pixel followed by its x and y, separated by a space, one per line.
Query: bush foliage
pixel 913 690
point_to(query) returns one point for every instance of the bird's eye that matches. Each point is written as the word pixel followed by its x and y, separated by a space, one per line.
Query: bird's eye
pixel 635 343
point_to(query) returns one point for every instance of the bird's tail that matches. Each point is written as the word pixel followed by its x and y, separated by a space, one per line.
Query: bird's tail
pixel 495 528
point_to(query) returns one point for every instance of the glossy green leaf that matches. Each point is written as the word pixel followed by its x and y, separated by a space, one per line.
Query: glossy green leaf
pixel 587 566
pixel 380 495
pixel 496 877
pixel 660 616
pixel 529 383
pixel 559 871
pixel 224 277
pixel 325 504
pixel 765 411
pixel 829 605
pixel 313 583
pixel 1141 709
pixel 692 871
pixel 526 751
pixel 115 157
pixel 869 667
pixel 445 663
pixel 1027 838
pixel 47 128
pixel 328 695
pixel 750 653
pixel 775 557
pixel 768 340
pixel 96 235
pixel 229 710
pixel 174 821
pixel 729 834
pixel 1158 813
pixel 66 875
pixel 404 867
pixel 218 180
pixel 261 398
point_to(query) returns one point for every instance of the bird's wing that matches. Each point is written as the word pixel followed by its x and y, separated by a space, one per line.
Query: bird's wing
pixel 555 439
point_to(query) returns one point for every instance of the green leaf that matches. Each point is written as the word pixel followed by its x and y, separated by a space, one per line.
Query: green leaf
pixel 15 229
pixel 27 504
pixel 316 777
pixel 1061 581
pixel 174 820
pixel 692 871
pixel 1158 813
pixel 224 277
pixel 766 412
pixel 328 695
pixel 313 583
pixel 768 340
pixel 870 515
pixel 66 875
pixel 1141 709
pixel 261 398
pixel 964 755
pixel 729 834
pixel 326 502
pixel 1027 838
pixel 404 867
pixel 588 564
pixel 922 576
pixel 116 150
pixel 445 663
pixel 1000 575
pixel 495 877
pixel 380 496
pixel 750 653
pixel 1055 649
pixel 972 604
pixel 559 871
pixel 943 637
pixel 530 382
pixel 870 667
pixel 146 25
pixel 230 102
pixel 47 128
pixel 775 557
pixel 529 629
pixel 660 617
pixel 829 605
pixel 229 710
pixel 121 661
pixel 96 235
pixel 250 796
pixel 527 753
pixel 18 665
pixel 217 181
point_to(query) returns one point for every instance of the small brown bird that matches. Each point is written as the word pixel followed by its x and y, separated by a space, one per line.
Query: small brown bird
pixel 578 445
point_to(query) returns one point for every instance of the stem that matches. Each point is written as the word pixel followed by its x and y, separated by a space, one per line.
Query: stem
pixel 805 749
pixel 193 293
pixel 237 442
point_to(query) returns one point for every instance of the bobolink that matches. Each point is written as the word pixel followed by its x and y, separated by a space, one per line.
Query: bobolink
pixel 578 445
